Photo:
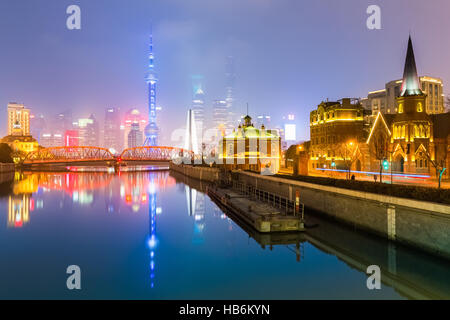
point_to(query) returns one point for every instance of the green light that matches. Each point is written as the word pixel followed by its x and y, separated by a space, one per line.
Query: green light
pixel 386 165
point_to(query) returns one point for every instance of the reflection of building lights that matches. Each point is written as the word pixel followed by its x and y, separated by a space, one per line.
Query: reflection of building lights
pixel 151 188
pixel 18 210
pixel 158 210
pixel 135 207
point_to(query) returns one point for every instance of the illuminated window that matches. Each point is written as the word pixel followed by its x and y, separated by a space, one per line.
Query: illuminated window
pixel 400 108
pixel 419 107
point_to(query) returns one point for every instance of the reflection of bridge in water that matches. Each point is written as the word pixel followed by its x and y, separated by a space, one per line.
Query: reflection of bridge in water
pixel 95 156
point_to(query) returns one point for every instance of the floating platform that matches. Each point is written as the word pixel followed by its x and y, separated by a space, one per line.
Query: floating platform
pixel 260 216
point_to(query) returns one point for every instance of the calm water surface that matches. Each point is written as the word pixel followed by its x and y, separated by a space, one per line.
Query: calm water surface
pixel 150 235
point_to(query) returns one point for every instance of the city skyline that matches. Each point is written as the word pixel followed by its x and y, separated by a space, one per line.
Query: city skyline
pixel 296 85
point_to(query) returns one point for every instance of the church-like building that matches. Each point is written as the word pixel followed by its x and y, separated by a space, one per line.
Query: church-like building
pixel 411 140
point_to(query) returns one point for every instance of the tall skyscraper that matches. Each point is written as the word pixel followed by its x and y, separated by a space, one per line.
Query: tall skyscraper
pixel 113 137
pixel 19 138
pixel 230 78
pixel 191 140
pixel 132 116
pixel 88 132
pixel 152 130
pixel 18 120
pixel 221 116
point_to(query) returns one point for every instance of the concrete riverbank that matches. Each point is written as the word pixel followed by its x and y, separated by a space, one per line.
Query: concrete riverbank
pixel 200 173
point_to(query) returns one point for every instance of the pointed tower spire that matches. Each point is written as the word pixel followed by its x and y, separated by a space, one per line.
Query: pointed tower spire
pixel 411 84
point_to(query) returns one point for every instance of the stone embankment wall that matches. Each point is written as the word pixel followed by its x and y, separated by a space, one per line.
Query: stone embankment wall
pixel 200 173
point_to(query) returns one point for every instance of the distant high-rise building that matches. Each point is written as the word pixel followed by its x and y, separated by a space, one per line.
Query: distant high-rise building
pixel 71 138
pixel 221 116
pixel 262 119
pixel 198 108
pixel 385 100
pixel 50 139
pixel 18 120
pixel 113 137
pixel 88 132
pixel 152 130
pixel 135 136
pixel 37 126
pixel 230 79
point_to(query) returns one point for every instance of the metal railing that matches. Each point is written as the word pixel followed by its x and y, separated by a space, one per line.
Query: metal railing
pixel 272 199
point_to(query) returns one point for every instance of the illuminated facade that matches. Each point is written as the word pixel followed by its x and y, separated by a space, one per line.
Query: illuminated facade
pixel 249 148
pixel 385 100
pixel 335 128
pixel 112 134
pixel 198 108
pixel 413 141
pixel 411 131
pixel 135 136
pixel 18 120
pixel 19 137
pixel 132 116
pixel 88 132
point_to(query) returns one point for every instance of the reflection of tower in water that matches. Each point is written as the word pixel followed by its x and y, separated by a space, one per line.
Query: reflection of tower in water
pixel 152 240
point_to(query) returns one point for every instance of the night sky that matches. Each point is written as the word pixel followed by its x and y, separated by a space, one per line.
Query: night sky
pixel 290 54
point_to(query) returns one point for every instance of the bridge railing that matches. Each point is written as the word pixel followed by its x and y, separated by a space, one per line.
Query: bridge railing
pixel 68 154
pixel 154 153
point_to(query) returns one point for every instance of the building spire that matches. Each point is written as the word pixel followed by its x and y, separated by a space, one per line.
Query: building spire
pixel 151 130
pixel 411 84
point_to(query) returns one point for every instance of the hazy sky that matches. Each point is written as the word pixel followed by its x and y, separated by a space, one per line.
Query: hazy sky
pixel 290 54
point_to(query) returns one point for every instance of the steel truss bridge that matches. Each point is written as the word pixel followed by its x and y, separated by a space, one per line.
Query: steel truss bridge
pixel 101 156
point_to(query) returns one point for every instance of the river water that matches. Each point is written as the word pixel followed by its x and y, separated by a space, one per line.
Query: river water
pixel 152 235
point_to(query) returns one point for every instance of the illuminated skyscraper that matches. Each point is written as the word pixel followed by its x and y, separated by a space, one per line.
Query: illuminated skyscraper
pixel 152 130
pixel 220 116
pixel 88 132
pixel 135 136
pixel 132 116
pixel 190 142
pixel 113 137
pixel 18 120
pixel 230 78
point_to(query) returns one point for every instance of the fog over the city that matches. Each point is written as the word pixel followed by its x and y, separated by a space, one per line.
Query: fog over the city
pixel 289 54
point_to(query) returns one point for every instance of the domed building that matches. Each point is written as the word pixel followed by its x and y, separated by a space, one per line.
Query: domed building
pixel 249 148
